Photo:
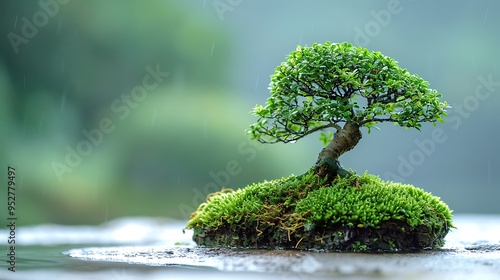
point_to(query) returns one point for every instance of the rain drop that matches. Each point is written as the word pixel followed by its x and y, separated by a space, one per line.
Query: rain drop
pixel 205 129
pixel 154 117
pixel 63 101
pixel 212 51
pixel 41 122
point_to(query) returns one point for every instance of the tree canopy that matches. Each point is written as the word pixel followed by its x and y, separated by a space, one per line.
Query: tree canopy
pixel 331 84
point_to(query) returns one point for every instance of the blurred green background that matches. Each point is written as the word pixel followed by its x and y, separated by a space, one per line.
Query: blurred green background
pixel 70 68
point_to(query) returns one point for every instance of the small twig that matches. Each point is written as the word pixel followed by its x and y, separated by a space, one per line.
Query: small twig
pixel 297 245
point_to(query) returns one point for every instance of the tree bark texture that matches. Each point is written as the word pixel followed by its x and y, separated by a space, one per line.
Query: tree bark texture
pixel 343 140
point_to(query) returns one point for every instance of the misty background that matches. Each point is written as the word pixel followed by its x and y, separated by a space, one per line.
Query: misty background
pixel 134 108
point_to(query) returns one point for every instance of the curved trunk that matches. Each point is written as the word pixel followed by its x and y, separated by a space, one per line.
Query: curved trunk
pixel 343 140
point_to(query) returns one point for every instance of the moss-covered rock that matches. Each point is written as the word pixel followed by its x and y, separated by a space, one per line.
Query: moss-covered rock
pixel 356 213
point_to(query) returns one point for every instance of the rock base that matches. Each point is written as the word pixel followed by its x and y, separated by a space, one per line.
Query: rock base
pixel 389 237
pixel 357 214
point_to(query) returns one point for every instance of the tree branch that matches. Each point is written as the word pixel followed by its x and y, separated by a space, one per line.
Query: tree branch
pixel 377 120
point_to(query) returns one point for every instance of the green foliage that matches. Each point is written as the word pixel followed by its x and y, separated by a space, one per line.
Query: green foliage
pixel 358 247
pixel 324 85
pixel 325 137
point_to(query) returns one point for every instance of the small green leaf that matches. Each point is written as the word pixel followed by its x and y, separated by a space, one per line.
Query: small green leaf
pixel 325 138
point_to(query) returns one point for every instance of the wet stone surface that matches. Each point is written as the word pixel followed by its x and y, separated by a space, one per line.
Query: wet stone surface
pixel 150 248
pixel 459 257
pixel 480 258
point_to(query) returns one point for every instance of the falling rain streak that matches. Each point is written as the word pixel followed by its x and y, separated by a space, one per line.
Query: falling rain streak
pixel 41 122
pixel 154 117
pixel 106 213
pixel 59 26
pixel 53 159
pixel 489 172
pixel 24 125
pixel 205 129
pixel 474 62
pixel 21 183
pixel 256 83
pixel 212 51
pixel 63 101
pixel 430 64
pixel 485 16
pixel 15 22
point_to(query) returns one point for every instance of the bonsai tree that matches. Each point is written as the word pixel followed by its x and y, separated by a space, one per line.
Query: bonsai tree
pixel 322 87
pixel 343 87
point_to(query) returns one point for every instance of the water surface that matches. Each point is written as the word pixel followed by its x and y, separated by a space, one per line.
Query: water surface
pixel 153 248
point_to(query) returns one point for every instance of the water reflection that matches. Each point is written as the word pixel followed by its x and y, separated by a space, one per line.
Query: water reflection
pixel 151 248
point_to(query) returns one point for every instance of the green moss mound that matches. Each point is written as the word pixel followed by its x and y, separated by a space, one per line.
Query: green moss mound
pixel 358 213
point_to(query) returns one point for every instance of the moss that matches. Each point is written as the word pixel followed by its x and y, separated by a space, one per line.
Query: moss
pixel 357 213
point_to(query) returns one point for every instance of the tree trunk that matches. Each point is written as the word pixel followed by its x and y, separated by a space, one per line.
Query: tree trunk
pixel 343 140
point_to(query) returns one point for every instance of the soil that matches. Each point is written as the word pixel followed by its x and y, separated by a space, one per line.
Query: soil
pixel 391 236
